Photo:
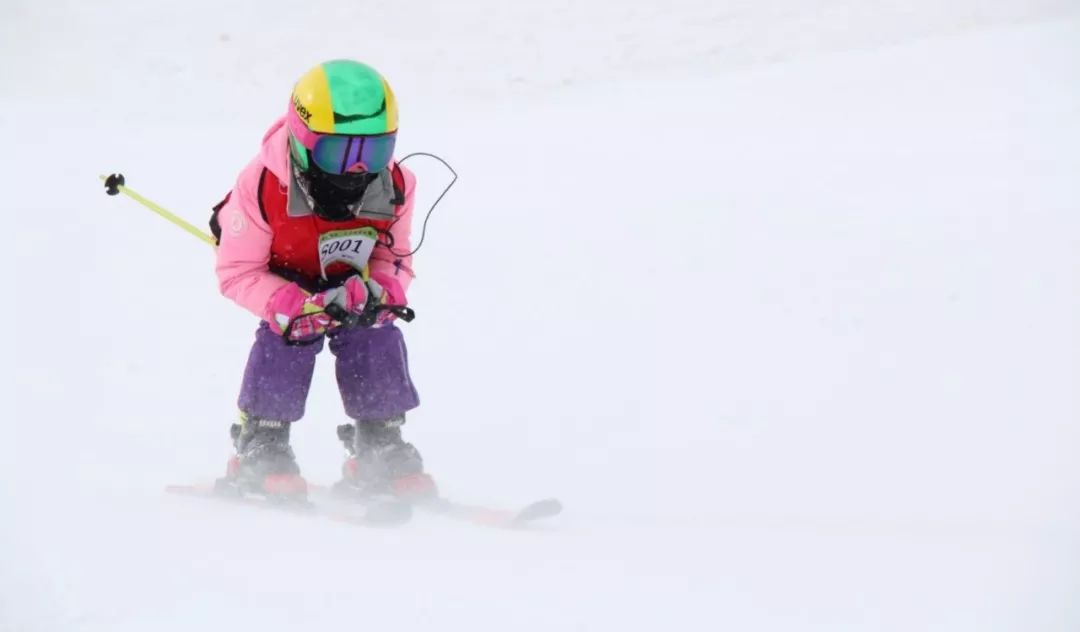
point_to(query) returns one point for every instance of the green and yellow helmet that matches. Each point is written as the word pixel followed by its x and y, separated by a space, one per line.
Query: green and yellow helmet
pixel 343 119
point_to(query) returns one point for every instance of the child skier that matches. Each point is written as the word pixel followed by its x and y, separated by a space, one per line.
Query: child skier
pixel 313 236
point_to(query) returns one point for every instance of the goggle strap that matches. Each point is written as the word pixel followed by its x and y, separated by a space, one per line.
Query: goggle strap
pixel 299 153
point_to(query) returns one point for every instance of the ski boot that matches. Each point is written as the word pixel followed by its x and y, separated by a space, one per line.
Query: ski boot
pixel 379 462
pixel 264 463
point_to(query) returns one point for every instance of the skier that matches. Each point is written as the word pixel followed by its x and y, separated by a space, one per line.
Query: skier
pixel 316 227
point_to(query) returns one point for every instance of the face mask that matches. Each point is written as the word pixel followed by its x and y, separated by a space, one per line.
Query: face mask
pixel 334 197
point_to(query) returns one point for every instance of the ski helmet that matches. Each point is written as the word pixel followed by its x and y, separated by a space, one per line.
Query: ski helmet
pixel 342 122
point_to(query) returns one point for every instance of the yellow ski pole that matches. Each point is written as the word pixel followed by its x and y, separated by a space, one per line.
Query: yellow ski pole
pixel 115 184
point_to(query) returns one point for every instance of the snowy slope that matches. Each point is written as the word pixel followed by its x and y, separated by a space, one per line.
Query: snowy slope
pixel 780 300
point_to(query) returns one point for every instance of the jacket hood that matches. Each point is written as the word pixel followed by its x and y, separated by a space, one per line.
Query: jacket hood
pixel 275 150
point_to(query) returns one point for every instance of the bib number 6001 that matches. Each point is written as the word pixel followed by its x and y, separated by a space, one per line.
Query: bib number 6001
pixel 351 247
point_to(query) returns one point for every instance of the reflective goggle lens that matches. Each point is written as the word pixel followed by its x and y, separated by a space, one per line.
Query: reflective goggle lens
pixel 350 154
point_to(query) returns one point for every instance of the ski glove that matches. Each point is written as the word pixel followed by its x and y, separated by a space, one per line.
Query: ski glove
pixel 302 317
pixel 385 290
pixel 368 297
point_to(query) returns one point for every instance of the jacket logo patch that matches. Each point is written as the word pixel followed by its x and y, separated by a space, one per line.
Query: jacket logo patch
pixel 237 223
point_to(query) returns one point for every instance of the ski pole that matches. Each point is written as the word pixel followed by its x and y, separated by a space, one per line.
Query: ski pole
pixel 115 184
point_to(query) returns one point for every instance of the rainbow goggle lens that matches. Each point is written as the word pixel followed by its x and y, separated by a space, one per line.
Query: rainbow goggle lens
pixel 338 154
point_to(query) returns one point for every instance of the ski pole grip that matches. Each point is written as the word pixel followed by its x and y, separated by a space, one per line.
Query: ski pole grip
pixel 343 316
pixel 370 315
pixel 404 312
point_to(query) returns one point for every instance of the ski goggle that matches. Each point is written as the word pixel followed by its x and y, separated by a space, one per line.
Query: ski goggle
pixel 340 153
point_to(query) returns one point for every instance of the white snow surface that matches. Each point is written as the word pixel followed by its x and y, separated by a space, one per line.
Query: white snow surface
pixel 780 298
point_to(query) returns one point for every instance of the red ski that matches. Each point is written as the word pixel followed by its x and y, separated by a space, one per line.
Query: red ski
pixel 377 513
pixel 474 514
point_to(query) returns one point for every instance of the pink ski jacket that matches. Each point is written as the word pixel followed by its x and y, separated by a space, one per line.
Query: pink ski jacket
pixel 243 255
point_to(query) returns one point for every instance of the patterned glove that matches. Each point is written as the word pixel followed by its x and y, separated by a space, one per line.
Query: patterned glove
pixel 302 317
pixel 385 290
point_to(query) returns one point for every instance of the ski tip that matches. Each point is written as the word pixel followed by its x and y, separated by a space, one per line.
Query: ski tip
pixel 540 509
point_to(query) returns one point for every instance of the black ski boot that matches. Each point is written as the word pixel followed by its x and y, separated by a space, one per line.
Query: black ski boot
pixel 264 463
pixel 379 461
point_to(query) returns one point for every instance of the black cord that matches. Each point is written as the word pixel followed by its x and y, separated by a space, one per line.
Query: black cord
pixel 423 230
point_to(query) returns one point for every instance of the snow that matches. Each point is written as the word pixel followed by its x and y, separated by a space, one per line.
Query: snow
pixel 778 298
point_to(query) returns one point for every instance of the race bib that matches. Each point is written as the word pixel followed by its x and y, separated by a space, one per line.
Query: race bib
pixel 352 247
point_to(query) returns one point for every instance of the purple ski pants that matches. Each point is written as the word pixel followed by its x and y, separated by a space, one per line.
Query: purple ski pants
pixel 372 374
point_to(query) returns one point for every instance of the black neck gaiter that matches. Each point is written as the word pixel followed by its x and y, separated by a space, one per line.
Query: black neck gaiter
pixel 335 198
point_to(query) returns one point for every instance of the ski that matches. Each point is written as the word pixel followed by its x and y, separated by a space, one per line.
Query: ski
pixel 376 513
pixel 491 517
pixel 474 514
